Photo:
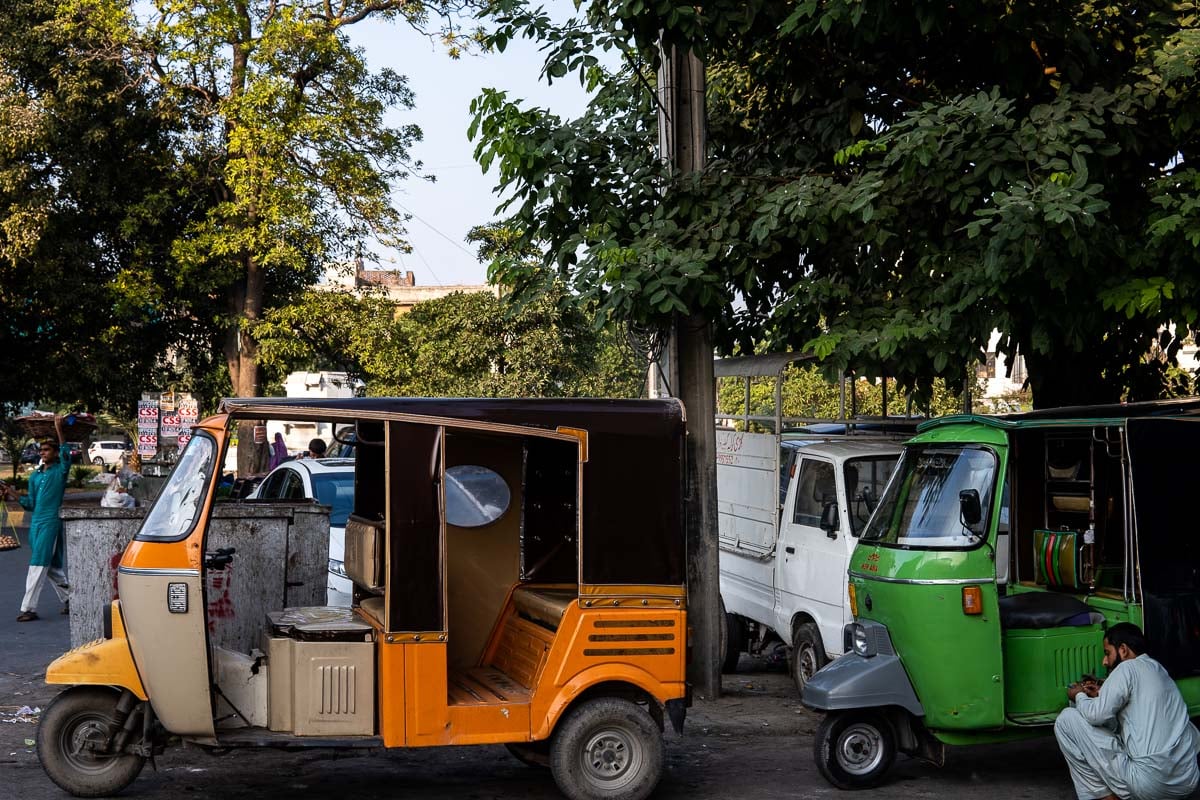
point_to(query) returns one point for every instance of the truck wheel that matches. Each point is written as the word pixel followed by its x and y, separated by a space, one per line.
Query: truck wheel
pixel 854 749
pixel 531 754
pixel 808 654
pixel 607 749
pixel 75 723
pixel 732 639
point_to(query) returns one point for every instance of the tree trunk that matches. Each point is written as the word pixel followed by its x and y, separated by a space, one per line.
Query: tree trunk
pixel 241 354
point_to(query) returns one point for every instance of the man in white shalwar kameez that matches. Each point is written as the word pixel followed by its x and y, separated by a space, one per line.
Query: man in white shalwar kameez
pixel 1129 737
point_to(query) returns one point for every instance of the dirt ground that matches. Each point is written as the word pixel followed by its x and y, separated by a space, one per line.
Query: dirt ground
pixel 754 742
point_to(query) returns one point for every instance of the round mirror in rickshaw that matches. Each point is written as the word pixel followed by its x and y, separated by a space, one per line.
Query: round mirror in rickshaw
pixel 475 496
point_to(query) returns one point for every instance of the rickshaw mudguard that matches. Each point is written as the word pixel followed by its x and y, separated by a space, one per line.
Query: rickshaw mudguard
pixel 854 681
pixel 608 675
pixel 104 662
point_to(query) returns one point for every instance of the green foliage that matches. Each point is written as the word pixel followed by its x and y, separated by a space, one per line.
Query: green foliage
pixel 13 437
pixel 887 183
pixel 91 197
pixel 81 474
pixel 808 393
pixel 169 171
pixel 462 345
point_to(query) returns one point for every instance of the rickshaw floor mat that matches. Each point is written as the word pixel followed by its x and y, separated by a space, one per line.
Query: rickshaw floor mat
pixel 485 686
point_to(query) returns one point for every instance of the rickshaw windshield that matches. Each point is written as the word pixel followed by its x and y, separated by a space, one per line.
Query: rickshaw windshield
pixel 923 506
pixel 178 506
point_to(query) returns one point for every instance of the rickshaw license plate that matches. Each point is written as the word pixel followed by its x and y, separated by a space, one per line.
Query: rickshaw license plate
pixel 177 598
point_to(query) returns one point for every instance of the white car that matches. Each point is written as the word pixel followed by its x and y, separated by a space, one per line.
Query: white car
pixel 108 453
pixel 329 481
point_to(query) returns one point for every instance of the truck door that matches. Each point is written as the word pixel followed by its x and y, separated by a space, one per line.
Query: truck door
pixel 811 562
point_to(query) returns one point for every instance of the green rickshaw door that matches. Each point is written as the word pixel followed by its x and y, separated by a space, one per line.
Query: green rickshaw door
pixel 925 568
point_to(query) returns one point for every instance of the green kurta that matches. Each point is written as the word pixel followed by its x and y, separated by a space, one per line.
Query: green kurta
pixel 46 487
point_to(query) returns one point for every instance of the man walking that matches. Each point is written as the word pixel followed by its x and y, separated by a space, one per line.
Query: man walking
pixel 44 498
pixel 1129 737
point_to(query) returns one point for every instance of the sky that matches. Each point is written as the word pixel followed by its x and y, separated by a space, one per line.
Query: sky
pixel 462 197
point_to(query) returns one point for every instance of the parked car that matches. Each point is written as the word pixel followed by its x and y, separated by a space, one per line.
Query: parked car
pixel 329 481
pixel 108 452
pixel 30 454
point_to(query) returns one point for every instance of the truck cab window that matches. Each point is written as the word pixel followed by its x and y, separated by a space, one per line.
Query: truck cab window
pixel 816 486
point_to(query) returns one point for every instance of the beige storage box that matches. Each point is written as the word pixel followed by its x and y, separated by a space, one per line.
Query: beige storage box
pixel 322 673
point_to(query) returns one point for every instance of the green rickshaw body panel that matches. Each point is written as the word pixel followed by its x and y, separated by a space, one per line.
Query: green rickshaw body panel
pixel 953 660
pixel 1042 663
pixel 976 681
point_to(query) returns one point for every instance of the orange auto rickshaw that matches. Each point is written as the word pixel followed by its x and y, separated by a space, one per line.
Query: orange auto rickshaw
pixel 519 579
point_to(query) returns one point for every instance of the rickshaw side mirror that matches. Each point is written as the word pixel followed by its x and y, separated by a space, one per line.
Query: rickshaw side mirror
pixel 829 519
pixel 969 507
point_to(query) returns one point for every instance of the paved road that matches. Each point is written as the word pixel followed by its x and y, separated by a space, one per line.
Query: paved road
pixel 755 742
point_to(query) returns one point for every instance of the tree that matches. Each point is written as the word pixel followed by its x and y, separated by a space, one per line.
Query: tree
pixel 462 345
pixel 806 392
pixel 12 435
pixel 90 201
pixel 288 128
pixel 887 182
pixel 277 140
pixel 325 329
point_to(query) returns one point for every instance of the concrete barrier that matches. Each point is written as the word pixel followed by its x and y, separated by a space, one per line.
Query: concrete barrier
pixel 282 561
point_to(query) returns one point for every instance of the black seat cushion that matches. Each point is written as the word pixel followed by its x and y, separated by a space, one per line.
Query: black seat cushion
pixel 1043 610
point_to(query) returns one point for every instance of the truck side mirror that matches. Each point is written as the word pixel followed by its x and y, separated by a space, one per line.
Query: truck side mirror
pixel 829 519
pixel 969 507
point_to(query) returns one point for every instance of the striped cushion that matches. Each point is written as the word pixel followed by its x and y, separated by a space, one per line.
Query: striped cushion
pixel 1056 558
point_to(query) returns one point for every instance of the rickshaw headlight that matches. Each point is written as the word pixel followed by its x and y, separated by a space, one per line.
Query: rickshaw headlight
pixel 860 642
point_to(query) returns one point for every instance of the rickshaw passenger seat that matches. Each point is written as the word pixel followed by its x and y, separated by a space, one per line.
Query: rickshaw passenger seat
pixel 545 606
pixel 364 553
pixel 1043 610
pixel 373 607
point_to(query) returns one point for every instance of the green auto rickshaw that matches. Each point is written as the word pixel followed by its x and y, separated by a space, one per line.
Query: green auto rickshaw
pixel 1001 550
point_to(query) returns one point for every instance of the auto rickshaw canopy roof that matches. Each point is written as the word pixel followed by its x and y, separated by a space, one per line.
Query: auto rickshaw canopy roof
pixel 1113 414
pixel 631 515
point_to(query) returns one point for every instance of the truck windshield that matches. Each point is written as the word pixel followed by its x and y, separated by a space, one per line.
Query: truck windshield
pixel 866 479
pixel 921 507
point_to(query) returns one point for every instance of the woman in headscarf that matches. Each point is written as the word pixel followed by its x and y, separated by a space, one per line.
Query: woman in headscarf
pixel 279 453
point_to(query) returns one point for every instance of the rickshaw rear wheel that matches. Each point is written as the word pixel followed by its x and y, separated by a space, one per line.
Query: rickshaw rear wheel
pixel 854 749
pixel 732 638
pixel 75 723
pixel 807 655
pixel 608 748
pixel 531 754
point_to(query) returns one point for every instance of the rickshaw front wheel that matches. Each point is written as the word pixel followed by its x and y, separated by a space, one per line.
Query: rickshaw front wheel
pixel 608 748
pixel 70 737
pixel 854 749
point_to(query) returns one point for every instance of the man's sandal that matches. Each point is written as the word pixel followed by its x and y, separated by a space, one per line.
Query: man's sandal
pixel 27 616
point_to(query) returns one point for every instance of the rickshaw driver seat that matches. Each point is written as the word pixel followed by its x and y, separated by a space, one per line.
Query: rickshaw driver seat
pixel 1035 610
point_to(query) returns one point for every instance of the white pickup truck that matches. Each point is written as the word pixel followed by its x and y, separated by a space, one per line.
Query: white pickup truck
pixel 791 508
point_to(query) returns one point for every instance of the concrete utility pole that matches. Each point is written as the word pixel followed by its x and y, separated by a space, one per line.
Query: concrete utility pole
pixel 685 371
